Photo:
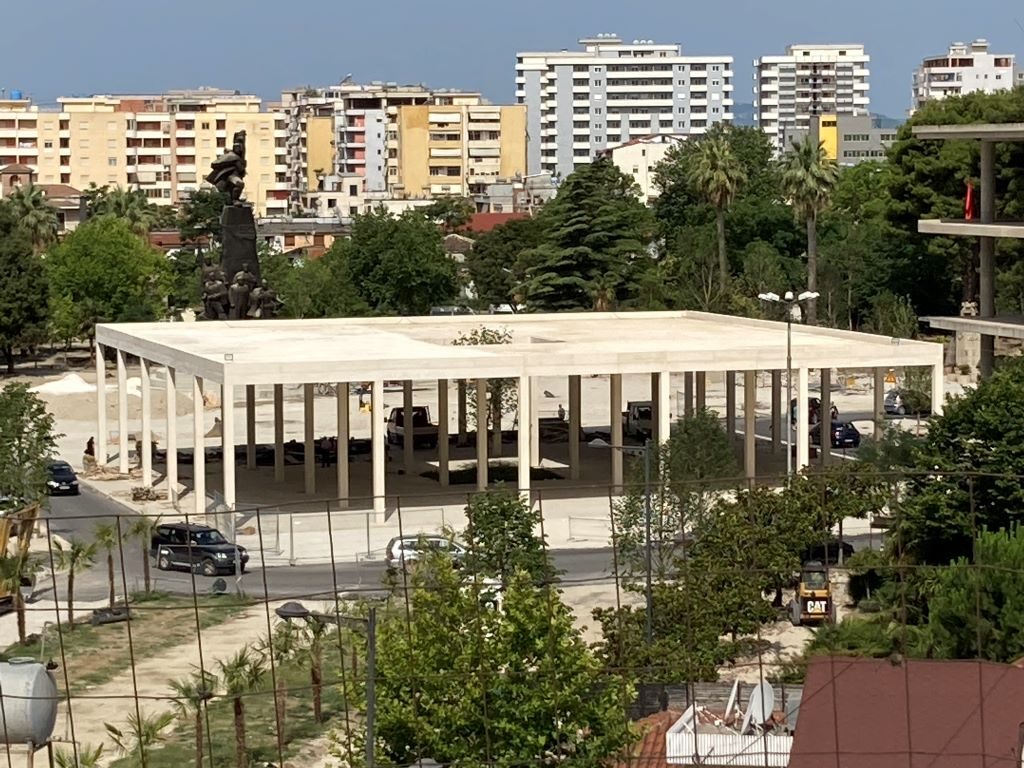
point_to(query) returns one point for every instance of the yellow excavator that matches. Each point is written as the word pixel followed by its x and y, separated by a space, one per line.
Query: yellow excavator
pixel 15 535
pixel 812 604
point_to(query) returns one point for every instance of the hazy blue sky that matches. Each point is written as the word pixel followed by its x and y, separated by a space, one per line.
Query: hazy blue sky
pixel 67 47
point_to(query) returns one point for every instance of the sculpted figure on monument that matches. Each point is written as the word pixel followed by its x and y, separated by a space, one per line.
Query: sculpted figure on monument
pixel 215 297
pixel 263 303
pixel 242 285
pixel 228 174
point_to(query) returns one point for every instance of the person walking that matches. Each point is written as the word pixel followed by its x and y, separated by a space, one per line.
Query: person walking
pixel 325 452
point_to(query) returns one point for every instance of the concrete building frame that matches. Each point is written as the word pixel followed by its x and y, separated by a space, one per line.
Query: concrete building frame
pixel 241 355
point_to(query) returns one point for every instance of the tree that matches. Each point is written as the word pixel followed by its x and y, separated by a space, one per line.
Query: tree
pixel 516 686
pixel 23 282
pixel 108 538
pixel 396 264
pixel 191 697
pixel 74 558
pixel 86 756
pixel 240 675
pixel 451 212
pixel 142 528
pixel 34 215
pixel 16 571
pixel 280 647
pixel 596 234
pixel 808 178
pixel 27 445
pixel 314 287
pixel 718 175
pixel 200 215
pixel 130 205
pixel 143 732
pixel 313 634
pixel 493 263
pixel 104 272
pixel 502 394
pixel 501 539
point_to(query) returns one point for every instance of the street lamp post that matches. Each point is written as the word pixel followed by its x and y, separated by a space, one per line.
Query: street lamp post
pixel 790 302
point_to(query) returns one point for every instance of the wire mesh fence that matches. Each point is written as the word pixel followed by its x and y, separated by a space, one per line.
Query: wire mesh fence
pixel 163 650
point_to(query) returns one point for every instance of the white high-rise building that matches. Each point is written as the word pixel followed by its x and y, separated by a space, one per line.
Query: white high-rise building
pixel 581 102
pixel 962 69
pixel 791 91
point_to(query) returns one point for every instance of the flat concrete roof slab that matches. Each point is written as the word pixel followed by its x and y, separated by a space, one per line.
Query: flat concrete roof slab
pixel 976 131
pixel 963 228
pixel 1010 327
pixel 367 349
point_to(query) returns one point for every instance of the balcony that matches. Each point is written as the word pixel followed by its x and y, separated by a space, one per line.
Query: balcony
pixel 183 133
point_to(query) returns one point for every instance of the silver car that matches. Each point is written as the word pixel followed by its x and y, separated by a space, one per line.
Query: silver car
pixel 408 549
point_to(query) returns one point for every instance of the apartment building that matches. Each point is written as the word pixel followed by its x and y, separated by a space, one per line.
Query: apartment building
pixel 639 158
pixel 160 144
pixel 581 102
pixel 457 149
pixel 846 139
pixel 962 69
pixel 793 90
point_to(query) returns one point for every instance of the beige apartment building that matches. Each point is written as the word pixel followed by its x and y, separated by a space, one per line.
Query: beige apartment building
pixel 160 144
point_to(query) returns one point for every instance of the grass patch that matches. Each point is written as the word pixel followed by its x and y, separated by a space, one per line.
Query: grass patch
pixel 496 473
pixel 178 748
pixel 97 654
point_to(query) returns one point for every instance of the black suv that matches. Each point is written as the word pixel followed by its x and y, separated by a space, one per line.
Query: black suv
pixel 195 547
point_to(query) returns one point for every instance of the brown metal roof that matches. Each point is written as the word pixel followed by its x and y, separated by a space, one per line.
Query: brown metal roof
pixel 651 750
pixel 874 713
pixel 16 168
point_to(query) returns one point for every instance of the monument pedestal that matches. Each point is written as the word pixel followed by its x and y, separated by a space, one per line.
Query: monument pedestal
pixel 238 235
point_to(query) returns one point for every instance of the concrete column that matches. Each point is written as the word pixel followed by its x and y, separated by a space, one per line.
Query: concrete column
pixel 803 453
pixel 938 388
pixel 442 431
pixel 750 423
pixel 534 416
pixel 481 434
pixel 655 407
pixel 730 403
pixel 342 469
pixel 409 431
pixel 227 444
pixel 575 425
pixel 147 424
pixel 378 448
pixel 279 433
pixel 523 444
pixel 462 412
pixel 878 392
pixel 309 437
pixel 825 438
pixel 250 426
pixel 664 406
pixel 986 258
pixel 102 453
pixel 171 428
pixel 496 433
pixel 615 406
pixel 701 388
pixel 122 414
pixel 688 393
pixel 198 447
pixel 778 423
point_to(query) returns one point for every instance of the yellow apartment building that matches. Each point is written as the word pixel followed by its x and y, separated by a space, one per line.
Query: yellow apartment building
pixel 160 144
pixel 458 148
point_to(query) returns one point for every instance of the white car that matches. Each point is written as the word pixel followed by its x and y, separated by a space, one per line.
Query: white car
pixel 408 549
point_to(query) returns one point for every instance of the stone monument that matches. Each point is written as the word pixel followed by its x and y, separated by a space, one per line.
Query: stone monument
pixel 229 288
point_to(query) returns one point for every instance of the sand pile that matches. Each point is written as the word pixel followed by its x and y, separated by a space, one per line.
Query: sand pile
pixel 71 384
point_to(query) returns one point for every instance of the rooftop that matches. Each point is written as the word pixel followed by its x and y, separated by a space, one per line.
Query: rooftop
pixel 366 349
pixel 976 131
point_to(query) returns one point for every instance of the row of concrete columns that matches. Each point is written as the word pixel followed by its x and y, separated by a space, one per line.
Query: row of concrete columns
pixel 694 391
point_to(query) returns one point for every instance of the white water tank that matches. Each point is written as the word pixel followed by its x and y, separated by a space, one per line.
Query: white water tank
pixel 29 699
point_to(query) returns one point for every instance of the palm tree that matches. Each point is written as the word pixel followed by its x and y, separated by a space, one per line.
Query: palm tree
pixel 108 538
pixel 88 757
pixel 314 633
pixel 241 674
pixel 191 696
pixel 129 204
pixel 75 558
pixel 143 731
pixel 142 528
pixel 808 179
pixel 15 570
pixel 717 175
pixel 35 216
pixel 281 647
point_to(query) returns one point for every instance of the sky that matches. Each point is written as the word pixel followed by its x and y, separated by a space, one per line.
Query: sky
pixel 82 47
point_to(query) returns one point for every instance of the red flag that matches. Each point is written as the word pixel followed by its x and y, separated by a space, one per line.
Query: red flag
pixel 969 202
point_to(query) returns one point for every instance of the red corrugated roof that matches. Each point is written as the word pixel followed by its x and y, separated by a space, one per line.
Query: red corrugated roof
pixel 485 222
pixel 874 713
pixel 651 750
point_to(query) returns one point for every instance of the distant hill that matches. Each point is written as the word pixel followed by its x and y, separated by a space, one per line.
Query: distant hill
pixel 743 114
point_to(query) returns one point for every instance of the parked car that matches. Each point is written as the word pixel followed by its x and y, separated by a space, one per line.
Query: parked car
pixel 899 402
pixel 408 549
pixel 190 546
pixel 844 435
pixel 62 481
pixel 424 432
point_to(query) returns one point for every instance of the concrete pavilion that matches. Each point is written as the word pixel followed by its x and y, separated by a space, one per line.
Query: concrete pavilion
pixel 309 352
pixel 986 229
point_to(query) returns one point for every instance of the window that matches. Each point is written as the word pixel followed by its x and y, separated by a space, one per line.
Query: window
pixel 353 190
pixel 205 126
pixel 112 161
pixel 636 169
pixel 332 202
pixel 353 210
pixel 47 145
pixel 111 143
